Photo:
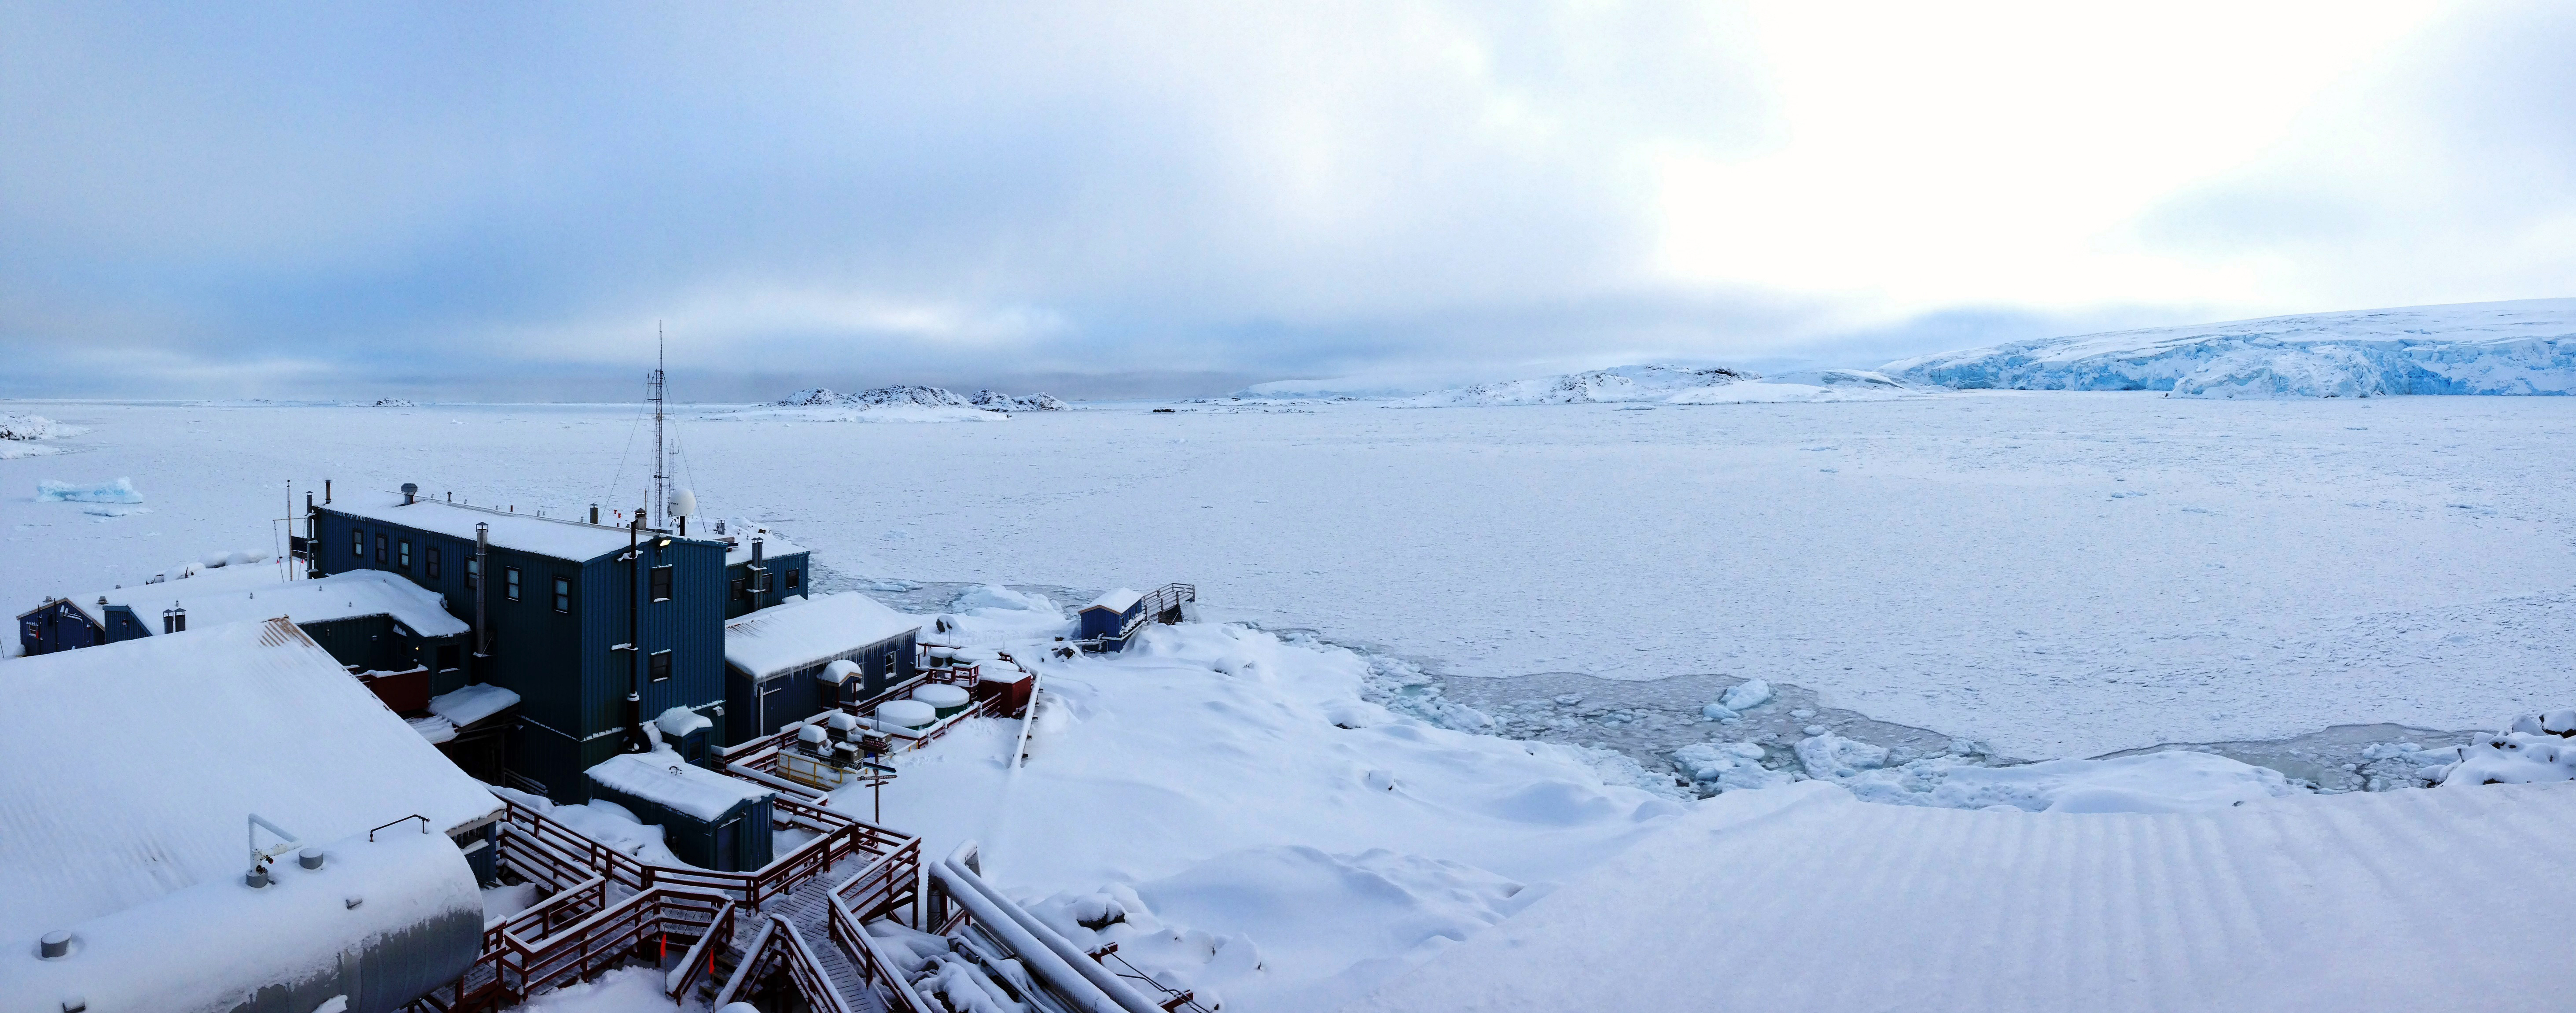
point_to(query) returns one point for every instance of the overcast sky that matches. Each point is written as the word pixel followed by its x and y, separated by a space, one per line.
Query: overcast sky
pixel 499 200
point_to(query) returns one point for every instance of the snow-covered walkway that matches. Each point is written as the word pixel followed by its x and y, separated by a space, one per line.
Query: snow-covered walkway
pixel 1803 898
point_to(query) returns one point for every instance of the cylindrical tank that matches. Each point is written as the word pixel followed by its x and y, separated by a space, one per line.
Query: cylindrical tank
pixel 906 713
pixel 942 698
pixel 942 657
pixel 380 923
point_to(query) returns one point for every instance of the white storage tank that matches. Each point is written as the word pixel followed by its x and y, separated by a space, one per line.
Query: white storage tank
pixel 906 713
pixel 943 698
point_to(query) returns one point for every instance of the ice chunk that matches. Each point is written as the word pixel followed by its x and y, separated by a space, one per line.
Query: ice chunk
pixel 1828 755
pixel 2514 757
pixel 119 491
pixel 1727 766
pixel 1746 695
pixel 1719 712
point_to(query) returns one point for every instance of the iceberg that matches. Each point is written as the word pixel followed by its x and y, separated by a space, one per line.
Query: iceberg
pixel 2520 347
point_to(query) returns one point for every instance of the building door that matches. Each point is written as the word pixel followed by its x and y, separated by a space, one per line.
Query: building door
pixel 729 846
pixel 772 711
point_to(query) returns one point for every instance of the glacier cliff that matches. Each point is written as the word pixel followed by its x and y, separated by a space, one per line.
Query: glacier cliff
pixel 2520 347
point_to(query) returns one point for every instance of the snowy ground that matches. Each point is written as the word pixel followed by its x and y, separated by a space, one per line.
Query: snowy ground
pixel 2054 574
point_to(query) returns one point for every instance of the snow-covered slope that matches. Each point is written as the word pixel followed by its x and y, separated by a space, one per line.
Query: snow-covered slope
pixel 1617 384
pixel 1804 898
pixel 2522 347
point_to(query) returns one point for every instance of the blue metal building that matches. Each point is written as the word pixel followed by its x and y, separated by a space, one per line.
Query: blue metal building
pixel 572 616
pixel 1109 618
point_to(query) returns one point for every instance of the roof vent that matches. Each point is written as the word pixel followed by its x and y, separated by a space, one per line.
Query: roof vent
pixel 310 858
pixel 56 945
pixel 411 493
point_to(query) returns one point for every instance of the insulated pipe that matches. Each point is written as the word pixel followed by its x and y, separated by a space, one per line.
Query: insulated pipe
pixel 1108 984
pixel 1041 960
pixel 636 742
pixel 482 591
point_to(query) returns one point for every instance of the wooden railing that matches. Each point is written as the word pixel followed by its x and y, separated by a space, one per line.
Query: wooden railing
pixel 539 848
pixel 570 937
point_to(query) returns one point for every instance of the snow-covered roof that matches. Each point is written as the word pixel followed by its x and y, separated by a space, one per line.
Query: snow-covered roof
pixel 1118 601
pixel 772 544
pixel 2276 904
pixel 680 721
pixel 525 532
pixel 663 777
pixel 217 597
pixel 469 704
pixel 799 633
pixel 134 766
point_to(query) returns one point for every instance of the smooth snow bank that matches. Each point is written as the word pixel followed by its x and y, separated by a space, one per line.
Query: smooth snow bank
pixel 1618 384
pixel 1806 898
pixel 1293 843
pixel 119 491
pixel 2521 347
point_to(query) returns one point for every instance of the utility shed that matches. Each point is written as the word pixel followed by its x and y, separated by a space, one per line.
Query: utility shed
pixel 773 656
pixel 133 770
pixel 710 820
pixel 1111 615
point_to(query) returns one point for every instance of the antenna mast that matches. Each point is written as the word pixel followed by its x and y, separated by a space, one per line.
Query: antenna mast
pixel 653 393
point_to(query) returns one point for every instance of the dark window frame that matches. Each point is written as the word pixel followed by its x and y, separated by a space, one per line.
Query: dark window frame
pixel 657 666
pixel 794 577
pixel 741 591
pixel 432 561
pixel 563 594
pixel 402 554
pixel 473 573
pixel 658 583
pixel 382 542
pixel 510 583
pixel 358 542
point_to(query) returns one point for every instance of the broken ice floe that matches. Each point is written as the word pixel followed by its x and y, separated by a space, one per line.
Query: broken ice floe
pixel 119 491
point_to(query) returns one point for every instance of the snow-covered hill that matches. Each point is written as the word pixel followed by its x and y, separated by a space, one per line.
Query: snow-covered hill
pixel 903 403
pixel 1617 384
pixel 2521 347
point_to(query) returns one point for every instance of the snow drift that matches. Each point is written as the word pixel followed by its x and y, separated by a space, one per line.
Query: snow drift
pixel 2522 347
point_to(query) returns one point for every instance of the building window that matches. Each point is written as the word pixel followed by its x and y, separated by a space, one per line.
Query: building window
pixel 447 657
pixel 404 558
pixel 738 591
pixel 510 582
pixel 563 594
pixel 792 577
pixel 380 549
pixel 473 573
pixel 662 583
pixel 357 543
pixel 433 562
pixel 658 665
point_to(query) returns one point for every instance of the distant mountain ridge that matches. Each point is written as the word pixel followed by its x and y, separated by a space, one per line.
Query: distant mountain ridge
pixel 917 396
pixel 2519 347
pixel 1599 386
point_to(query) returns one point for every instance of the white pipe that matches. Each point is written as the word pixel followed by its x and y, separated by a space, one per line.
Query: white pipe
pixel 1040 959
pixel 1108 983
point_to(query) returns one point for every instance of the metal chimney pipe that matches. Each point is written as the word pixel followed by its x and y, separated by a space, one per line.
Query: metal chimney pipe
pixel 482 591
pixel 411 493
pixel 326 490
pixel 594 513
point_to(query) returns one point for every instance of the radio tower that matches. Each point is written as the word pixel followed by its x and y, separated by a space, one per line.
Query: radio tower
pixel 659 510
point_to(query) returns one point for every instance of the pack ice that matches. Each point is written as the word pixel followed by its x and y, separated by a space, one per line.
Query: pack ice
pixel 2521 347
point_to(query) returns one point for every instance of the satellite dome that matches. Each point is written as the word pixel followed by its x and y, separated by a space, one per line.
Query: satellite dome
pixel 684 503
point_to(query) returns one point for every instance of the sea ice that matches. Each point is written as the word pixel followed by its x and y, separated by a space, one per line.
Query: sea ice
pixel 119 491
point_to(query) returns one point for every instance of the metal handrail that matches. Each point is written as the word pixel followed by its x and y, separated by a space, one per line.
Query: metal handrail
pixel 424 826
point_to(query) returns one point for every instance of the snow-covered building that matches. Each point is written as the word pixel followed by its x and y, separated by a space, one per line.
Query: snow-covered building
pixel 710 820
pixel 775 659
pixel 595 626
pixel 370 620
pixel 135 771
pixel 1110 617
pixel 762 568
